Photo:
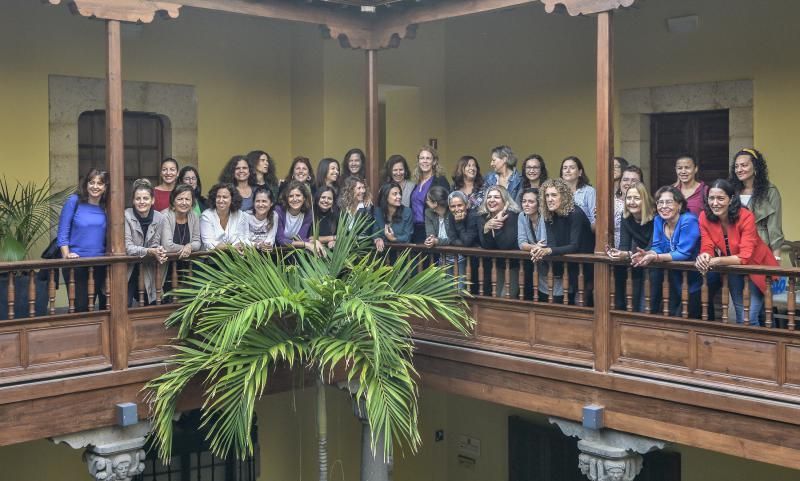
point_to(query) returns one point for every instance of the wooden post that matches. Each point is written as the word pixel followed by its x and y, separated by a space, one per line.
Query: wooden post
pixel 603 225
pixel 373 126
pixel 116 205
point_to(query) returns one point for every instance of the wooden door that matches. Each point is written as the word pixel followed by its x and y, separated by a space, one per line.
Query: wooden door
pixel 703 135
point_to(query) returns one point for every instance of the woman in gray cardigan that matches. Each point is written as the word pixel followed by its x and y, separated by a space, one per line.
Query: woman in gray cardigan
pixel 142 238
pixel 180 230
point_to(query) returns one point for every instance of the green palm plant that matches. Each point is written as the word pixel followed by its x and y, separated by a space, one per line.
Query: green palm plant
pixel 25 213
pixel 243 315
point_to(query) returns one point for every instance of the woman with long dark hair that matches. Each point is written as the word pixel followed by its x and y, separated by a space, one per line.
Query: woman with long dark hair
pixel 326 215
pixel 692 189
pixel 168 178
pixel 263 170
pixel 301 171
pixel 328 174
pixel 392 219
pixel 729 237
pixel 583 193
pixel 239 173
pixel 534 172
pixel 191 177
pixel 143 238
pixel 354 163
pixel 82 233
pixel 262 220
pixel 396 170
pixel 224 224
pixel 750 179
pixel 467 179
pixel 295 217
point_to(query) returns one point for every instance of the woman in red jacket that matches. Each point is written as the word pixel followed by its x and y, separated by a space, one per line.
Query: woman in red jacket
pixel 729 237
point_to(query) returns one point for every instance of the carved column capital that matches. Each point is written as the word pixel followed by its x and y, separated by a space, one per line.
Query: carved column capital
pixel 115 462
pixel 599 462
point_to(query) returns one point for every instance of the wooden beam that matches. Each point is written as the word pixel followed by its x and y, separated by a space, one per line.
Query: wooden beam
pixel 116 203
pixel 137 11
pixel 604 229
pixel 586 7
pixel 373 123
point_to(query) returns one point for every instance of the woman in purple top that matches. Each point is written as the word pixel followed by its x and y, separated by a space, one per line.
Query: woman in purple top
pixel 82 233
pixel 693 189
pixel 427 174
pixel 295 217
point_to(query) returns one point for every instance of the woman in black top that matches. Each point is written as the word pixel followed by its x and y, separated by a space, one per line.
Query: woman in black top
pixel 568 232
pixel 326 214
pixel 498 231
pixel 464 225
pixel 636 232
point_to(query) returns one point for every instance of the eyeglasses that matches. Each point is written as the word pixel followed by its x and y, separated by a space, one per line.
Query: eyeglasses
pixel 533 168
pixel 190 179
pixel 665 203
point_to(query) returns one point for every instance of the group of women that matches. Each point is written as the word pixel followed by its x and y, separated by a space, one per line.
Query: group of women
pixel 508 209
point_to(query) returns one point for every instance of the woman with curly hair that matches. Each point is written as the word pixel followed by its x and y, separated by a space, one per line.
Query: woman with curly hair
pixel 750 179
pixel 467 179
pixel 396 170
pixel 328 175
pixel 224 224
pixel 427 174
pixel 263 170
pixel 729 237
pixel 300 171
pixel 239 172
pixel 498 231
pixel 583 193
pixel 568 232
pixel 355 202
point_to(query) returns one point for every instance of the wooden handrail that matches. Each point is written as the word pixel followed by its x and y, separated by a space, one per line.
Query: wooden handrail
pixel 82 262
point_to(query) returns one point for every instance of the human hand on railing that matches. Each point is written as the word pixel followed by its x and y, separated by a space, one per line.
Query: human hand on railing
pixel 72 255
pixel 704 262
pixel 185 251
pixel 431 241
pixel 379 245
pixel 158 253
pixel 617 254
pixel 264 246
pixel 641 257
pixel 316 247
pixel 540 250
pixel 331 244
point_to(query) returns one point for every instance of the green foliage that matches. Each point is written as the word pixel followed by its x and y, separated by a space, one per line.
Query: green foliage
pixel 241 316
pixel 25 214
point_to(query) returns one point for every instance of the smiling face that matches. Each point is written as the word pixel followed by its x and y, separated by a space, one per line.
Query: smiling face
pixel 686 170
pixel 668 208
pixel 300 172
pixel 395 197
pixel 183 202
pixel 242 171
pixel 533 170
pixel 570 171
pixel 262 165
pixel 718 202
pixel 530 204
pixel 354 163
pixel 325 201
pixel 142 202
pixel 628 180
pixel 333 173
pixel 295 199
pixel 471 169
pixel 398 172
pixel 262 204
pixel 169 172
pixel 96 188
pixel 633 201
pixel 744 168
pixel 617 170
pixel 223 200
pixel 494 201
pixel 552 197
pixel 425 162
pixel 360 190
pixel 190 178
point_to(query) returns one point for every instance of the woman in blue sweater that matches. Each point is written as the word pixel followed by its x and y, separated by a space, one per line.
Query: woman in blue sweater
pixel 82 233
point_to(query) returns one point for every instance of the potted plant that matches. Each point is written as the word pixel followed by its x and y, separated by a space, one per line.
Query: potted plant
pixel 25 214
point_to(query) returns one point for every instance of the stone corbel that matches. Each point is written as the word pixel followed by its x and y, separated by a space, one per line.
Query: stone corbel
pixel 608 455
pixel 136 11
pixel 586 7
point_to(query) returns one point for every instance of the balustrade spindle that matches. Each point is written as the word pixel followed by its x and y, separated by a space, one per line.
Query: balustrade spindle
pixel 790 303
pixel 158 283
pixel 51 290
pixel 629 289
pixel 647 300
pixel 536 281
pixel 455 271
pixel 71 290
pixel 32 293
pixel 481 288
pixel 90 293
pixel 612 287
pixel 565 284
pixel 507 279
pixel 140 286
pixel 11 294
pixel 108 289
pixel 768 303
pixel 174 272
pixel 704 297
pixel 521 280
pixel 725 295
pixel 665 292
pixel 581 285
pixel 685 295
pixel 494 276
pixel 468 273
pixel 550 282
pixel 746 299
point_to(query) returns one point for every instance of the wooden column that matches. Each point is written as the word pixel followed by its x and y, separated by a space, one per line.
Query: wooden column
pixel 373 162
pixel 116 202
pixel 605 206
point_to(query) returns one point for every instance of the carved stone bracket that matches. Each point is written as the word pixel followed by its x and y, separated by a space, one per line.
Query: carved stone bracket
pixel 608 455
pixel 112 453
pixel 137 11
pixel 586 7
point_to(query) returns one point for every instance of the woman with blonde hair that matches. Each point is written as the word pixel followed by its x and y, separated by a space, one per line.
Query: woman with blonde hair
pixel 568 232
pixel 426 174
pixel 498 231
